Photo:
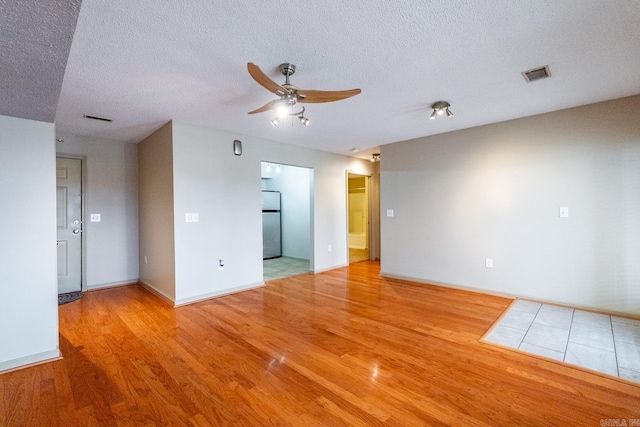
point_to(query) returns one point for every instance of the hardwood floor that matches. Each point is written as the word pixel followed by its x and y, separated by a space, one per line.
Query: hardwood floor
pixel 344 347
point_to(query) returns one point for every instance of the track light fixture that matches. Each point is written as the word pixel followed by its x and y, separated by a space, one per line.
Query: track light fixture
pixel 375 157
pixel 440 108
pixel 304 120
pixel 279 114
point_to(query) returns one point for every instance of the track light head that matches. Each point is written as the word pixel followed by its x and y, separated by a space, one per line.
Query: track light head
pixel 304 120
pixel 440 108
pixel 275 121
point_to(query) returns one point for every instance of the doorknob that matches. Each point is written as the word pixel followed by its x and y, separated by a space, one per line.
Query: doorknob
pixel 76 231
pixel 76 221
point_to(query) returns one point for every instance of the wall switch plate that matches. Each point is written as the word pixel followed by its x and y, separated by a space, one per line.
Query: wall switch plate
pixel 329 248
pixel 145 259
pixel 563 212
pixel 191 217
pixel 95 218
pixel 389 212
pixel 488 262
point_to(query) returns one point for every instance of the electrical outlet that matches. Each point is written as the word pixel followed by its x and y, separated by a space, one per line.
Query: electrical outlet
pixel 191 217
pixel 488 262
pixel 95 217
pixel 563 212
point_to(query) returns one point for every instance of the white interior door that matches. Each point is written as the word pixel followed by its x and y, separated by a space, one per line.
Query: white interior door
pixel 69 223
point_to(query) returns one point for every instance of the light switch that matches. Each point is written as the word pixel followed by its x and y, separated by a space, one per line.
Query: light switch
pixel 564 212
pixel 95 217
pixel 389 212
pixel 191 217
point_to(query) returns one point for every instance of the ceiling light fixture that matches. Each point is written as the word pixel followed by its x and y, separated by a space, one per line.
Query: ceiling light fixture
pixel 304 120
pixel 375 157
pixel 440 108
pixel 282 108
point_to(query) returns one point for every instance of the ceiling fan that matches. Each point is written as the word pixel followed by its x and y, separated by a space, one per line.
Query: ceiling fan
pixel 290 95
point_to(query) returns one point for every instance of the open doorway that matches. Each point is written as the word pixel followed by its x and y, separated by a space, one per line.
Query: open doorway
pixel 69 219
pixel 358 217
pixel 287 194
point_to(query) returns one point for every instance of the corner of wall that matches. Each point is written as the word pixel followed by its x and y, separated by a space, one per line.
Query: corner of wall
pixel 155 204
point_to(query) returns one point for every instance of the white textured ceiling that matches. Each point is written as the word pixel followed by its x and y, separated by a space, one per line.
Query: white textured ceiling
pixel 35 38
pixel 144 62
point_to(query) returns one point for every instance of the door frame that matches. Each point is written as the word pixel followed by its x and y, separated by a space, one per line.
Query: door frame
pixel 368 178
pixel 311 183
pixel 83 204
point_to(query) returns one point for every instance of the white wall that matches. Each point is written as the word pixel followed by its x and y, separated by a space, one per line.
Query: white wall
pixel 155 207
pixel 28 278
pixel 112 192
pixel 294 186
pixel 225 190
pixel 494 192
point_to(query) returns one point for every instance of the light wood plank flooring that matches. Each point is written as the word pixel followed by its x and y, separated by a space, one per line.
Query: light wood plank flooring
pixel 344 347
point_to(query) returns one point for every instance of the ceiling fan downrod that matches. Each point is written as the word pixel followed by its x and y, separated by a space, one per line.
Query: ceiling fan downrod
pixel 287 69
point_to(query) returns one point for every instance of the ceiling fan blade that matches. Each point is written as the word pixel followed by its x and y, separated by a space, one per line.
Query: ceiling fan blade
pixel 265 81
pixel 312 96
pixel 268 106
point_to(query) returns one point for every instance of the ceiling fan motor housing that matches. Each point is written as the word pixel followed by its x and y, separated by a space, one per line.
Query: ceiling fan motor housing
pixel 287 69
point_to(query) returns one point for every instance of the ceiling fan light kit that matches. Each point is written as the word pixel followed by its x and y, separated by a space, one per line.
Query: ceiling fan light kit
pixel 280 113
pixel 290 95
pixel 440 108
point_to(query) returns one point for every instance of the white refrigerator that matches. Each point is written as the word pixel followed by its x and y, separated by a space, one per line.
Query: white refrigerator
pixel 271 227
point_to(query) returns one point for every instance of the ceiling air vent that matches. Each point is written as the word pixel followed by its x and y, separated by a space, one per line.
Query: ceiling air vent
pixel 97 118
pixel 537 74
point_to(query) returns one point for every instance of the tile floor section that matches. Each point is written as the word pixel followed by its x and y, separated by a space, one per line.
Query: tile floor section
pixel 600 342
pixel 277 268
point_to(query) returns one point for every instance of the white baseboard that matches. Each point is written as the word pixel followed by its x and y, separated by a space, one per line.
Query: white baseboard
pixel 157 292
pixel 111 285
pixel 210 295
pixel 322 270
pixel 31 360
pixel 567 304
pixel 447 285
